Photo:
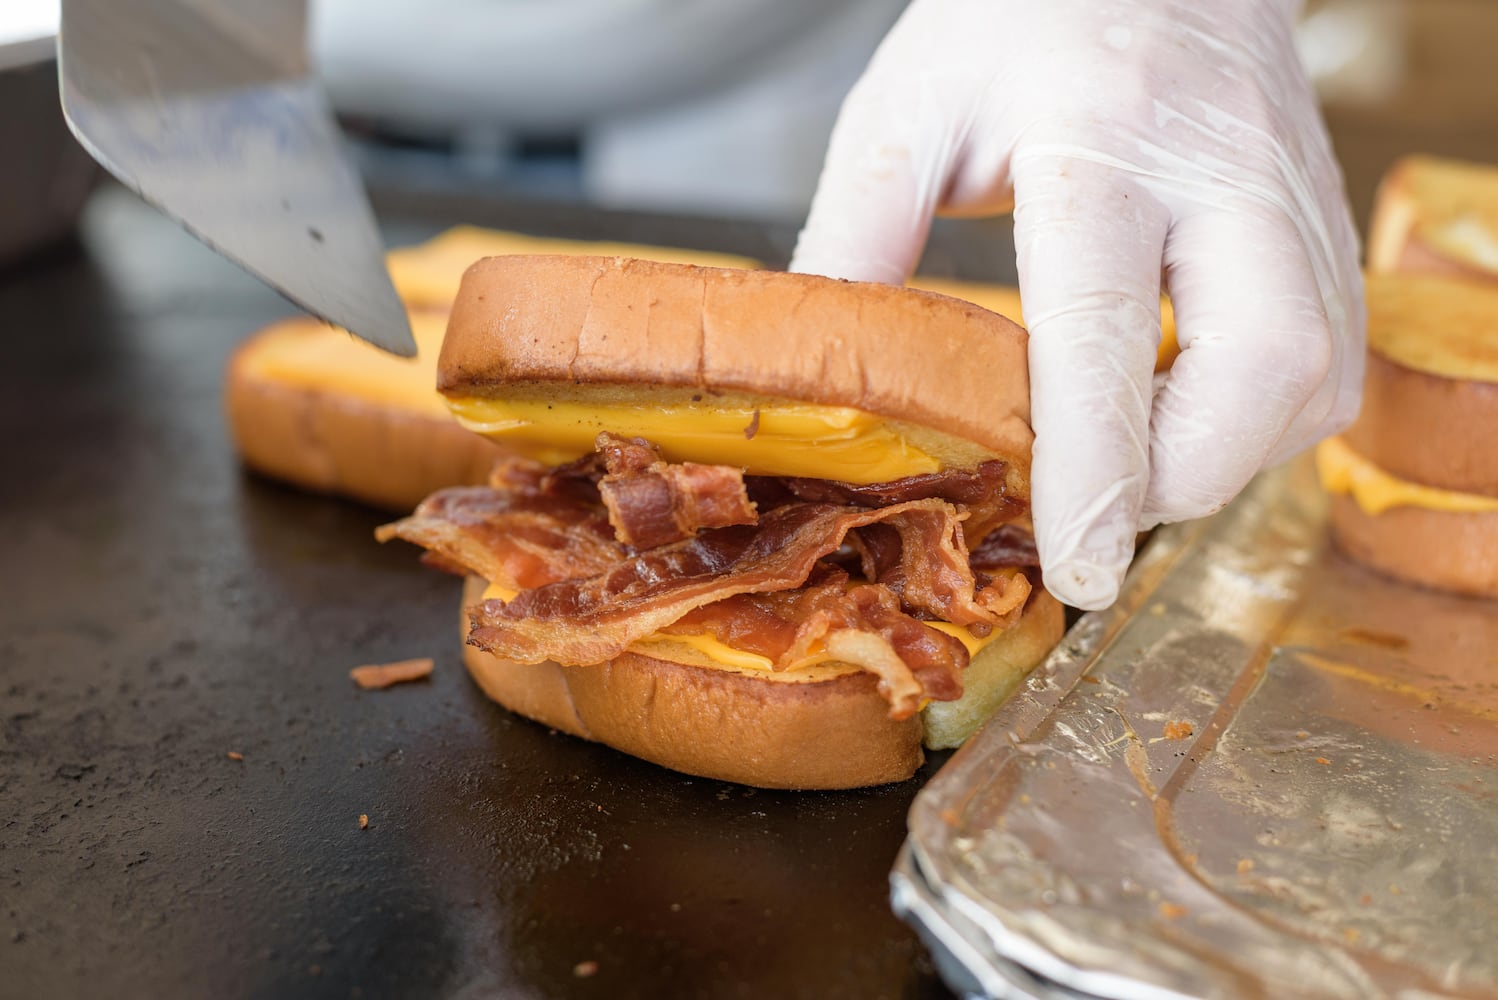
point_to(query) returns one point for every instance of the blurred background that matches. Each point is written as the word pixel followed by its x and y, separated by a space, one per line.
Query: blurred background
pixel 717 108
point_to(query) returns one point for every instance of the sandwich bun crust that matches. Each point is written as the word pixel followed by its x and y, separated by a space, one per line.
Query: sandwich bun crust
pixel 1435 216
pixel 1440 549
pixel 769 732
pixel 1428 429
pixel 576 329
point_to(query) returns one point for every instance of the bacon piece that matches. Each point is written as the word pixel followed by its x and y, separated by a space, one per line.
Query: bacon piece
pixel 675 501
pixel 923 560
pixel 858 624
pixel 511 539
pixel 622 455
pixel 935 578
pixel 589 620
pixel 983 492
pixel 378 676
pixel 652 502
pixel 954 486
pixel 1006 545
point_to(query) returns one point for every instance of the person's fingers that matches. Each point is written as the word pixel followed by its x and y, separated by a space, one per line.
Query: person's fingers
pixel 1335 404
pixel 1256 352
pixel 887 162
pixel 1333 242
pixel 1089 240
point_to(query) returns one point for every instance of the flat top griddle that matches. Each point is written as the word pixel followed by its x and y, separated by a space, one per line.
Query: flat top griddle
pixel 162 609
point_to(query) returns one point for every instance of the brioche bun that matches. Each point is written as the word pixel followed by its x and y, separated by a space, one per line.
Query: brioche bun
pixel 1428 429
pixel 773 731
pixel 1440 549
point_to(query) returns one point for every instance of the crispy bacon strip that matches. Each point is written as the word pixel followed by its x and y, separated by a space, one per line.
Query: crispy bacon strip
pixel 512 539
pixel 859 624
pixel 983 492
pixel 589 590
pixel 935 578
pixel 650 501
pixel 673 502
pixel 924 561
pixel 653 502
pixel 953 486
pixel 1006 545
pixel 593 619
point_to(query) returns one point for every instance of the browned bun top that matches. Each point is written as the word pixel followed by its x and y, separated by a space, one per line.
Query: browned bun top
pixel 1431 389
pixel 536 323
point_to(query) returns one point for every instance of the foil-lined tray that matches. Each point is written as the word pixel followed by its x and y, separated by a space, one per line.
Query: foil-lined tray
pixel 1266 772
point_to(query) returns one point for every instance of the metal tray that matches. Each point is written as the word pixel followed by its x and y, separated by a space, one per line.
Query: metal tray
pixel 1266 772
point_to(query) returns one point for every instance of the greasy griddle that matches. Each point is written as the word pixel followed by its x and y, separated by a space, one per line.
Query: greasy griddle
pixel 163 609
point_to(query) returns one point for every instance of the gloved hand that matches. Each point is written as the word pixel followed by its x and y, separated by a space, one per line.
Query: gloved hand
pixel 1135 139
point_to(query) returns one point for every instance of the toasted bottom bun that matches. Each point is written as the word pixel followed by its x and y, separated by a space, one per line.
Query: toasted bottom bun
pixel 332 442
pixel 779 733
pixel 1406 427
pixel 1439 549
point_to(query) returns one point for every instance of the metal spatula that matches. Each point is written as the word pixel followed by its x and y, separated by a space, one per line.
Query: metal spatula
pixel 208 109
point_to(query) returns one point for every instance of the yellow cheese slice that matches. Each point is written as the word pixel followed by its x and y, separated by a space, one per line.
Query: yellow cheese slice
pixel 792 439
pixel 307 353
pixel 1344 472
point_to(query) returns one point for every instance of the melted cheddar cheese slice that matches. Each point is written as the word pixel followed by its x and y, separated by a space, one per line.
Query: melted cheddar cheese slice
pixel 784 439
pixel 309 354
pixel 709 651
pixel 1344 472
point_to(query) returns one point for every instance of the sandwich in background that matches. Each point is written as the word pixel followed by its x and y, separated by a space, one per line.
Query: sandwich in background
pixel 1435 216
pixel 760 527
pixel 1414 480
pixel 311 406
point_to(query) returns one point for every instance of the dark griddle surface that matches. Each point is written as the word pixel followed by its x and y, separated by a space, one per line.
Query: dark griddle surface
pixel 160 609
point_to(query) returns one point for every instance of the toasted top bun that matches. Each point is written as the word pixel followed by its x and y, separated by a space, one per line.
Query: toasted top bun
pixel 1438 325
pixel 619 330
pixel 1437 216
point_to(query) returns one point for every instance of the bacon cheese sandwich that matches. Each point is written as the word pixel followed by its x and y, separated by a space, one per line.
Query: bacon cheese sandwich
pixel 759 527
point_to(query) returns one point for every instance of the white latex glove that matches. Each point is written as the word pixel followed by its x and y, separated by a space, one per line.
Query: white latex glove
pixel 1136 140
